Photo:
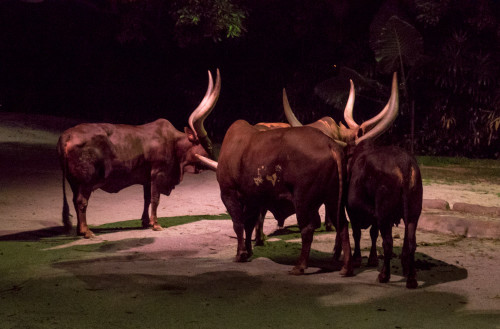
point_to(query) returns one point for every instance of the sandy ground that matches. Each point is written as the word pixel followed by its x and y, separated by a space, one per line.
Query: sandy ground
pixel 464 272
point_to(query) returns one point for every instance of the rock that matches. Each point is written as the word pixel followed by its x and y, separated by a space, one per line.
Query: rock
pixel 476 209
pixel 435 204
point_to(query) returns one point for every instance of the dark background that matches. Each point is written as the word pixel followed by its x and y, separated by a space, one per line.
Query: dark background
pixel 135 61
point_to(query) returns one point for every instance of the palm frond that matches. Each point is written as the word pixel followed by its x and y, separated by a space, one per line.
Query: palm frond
pixel 396 43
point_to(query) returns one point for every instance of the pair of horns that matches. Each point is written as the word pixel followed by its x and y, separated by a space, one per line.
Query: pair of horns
pixel 370 129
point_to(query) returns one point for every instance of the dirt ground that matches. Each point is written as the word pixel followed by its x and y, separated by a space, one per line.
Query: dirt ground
pixel 193 264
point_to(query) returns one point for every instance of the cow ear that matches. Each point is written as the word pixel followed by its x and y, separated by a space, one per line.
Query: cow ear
pixel 190 134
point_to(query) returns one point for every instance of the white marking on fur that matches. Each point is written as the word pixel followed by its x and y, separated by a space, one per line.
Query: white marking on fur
pixel 272 178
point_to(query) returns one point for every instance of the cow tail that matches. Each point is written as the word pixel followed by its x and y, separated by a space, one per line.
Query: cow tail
pixel 406 194
pixel 65 210
pixel 341 171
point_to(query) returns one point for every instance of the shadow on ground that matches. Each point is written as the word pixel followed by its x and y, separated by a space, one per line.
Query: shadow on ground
pixel 125 292
pixel 430 270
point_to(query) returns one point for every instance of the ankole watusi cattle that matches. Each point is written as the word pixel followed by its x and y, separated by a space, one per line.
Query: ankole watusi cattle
pixel 285 171
pixel 114 156
pixel 265 168
pixel 384 185
pixel 273 167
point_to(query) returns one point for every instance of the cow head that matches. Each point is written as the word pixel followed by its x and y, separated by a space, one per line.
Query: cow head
pixel 354 133
pixel 197 141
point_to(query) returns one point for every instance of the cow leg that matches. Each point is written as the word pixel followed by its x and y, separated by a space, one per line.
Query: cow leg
pixel 347 269
pixel 408 256
pixel 80 201
pixel 235 210
pixel 147 202
pixel 373 258
pixel 251 218
pixel 307 237
pixel 249 227
pixel 356 234
pixel 155 201
pixel 386 232
pixel 241 251
pixel 309 221
pixel 341 238
pixel 328 222
pixel 337 248
pixel 259 229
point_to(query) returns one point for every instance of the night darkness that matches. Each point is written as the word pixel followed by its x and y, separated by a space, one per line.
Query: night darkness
pixel 129 62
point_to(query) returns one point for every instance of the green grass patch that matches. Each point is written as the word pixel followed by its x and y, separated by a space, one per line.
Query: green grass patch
pixel 287 253
pixel 293 232
pixel 25 253
pixel 163 221
pixel 451 170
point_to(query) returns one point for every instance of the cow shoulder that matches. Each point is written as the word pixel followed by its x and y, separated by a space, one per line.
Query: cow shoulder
pixel 159 141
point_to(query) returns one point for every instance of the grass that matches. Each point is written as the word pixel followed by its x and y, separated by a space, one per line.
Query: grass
pixel 163 221
pixel 95 286
pixel 24 253
pixel 292 232
pixel 451 170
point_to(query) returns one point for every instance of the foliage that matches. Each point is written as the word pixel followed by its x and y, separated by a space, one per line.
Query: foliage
pixel 396 45
pixel 135 60
pixel 453 47
pixel 335 91
pixel 191 21
pixel 465 108
pixel 208 18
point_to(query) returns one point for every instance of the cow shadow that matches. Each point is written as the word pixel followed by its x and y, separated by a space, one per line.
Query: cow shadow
pixel 37 235
pixel 60 233
pixel 430 271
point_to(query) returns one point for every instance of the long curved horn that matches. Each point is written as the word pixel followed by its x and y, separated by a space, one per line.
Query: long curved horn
pixel 349 107
pixel 292 119
pixel 199 115
pixel 211 164
pixel 203 101
pixel 387 115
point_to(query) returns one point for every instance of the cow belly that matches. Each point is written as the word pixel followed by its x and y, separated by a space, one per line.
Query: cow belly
pixel 117 181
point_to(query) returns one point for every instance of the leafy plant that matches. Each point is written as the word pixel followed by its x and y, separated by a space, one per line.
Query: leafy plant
pixel 215 19
pixel 397 46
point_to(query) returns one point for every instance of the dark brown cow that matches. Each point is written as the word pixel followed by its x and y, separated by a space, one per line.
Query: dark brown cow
pixel 384 185
pixel 285 171
pixel 353 134
pixel 114 156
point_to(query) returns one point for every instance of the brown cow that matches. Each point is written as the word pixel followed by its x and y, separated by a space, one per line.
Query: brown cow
pixel 114 156
pixel 285 171
pixel 384 184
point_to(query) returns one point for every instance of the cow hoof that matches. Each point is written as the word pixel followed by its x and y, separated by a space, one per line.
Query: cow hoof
pixel 329 228
pixel 296 271
pixel 157 227
pixel 259 243
pixel 372 262
pixel 346 271
pixel 67 227
pixel 411 283
pixel 382 278
pixel 356 261
pixel 89 234
pixel 336 256
pixel 241 258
